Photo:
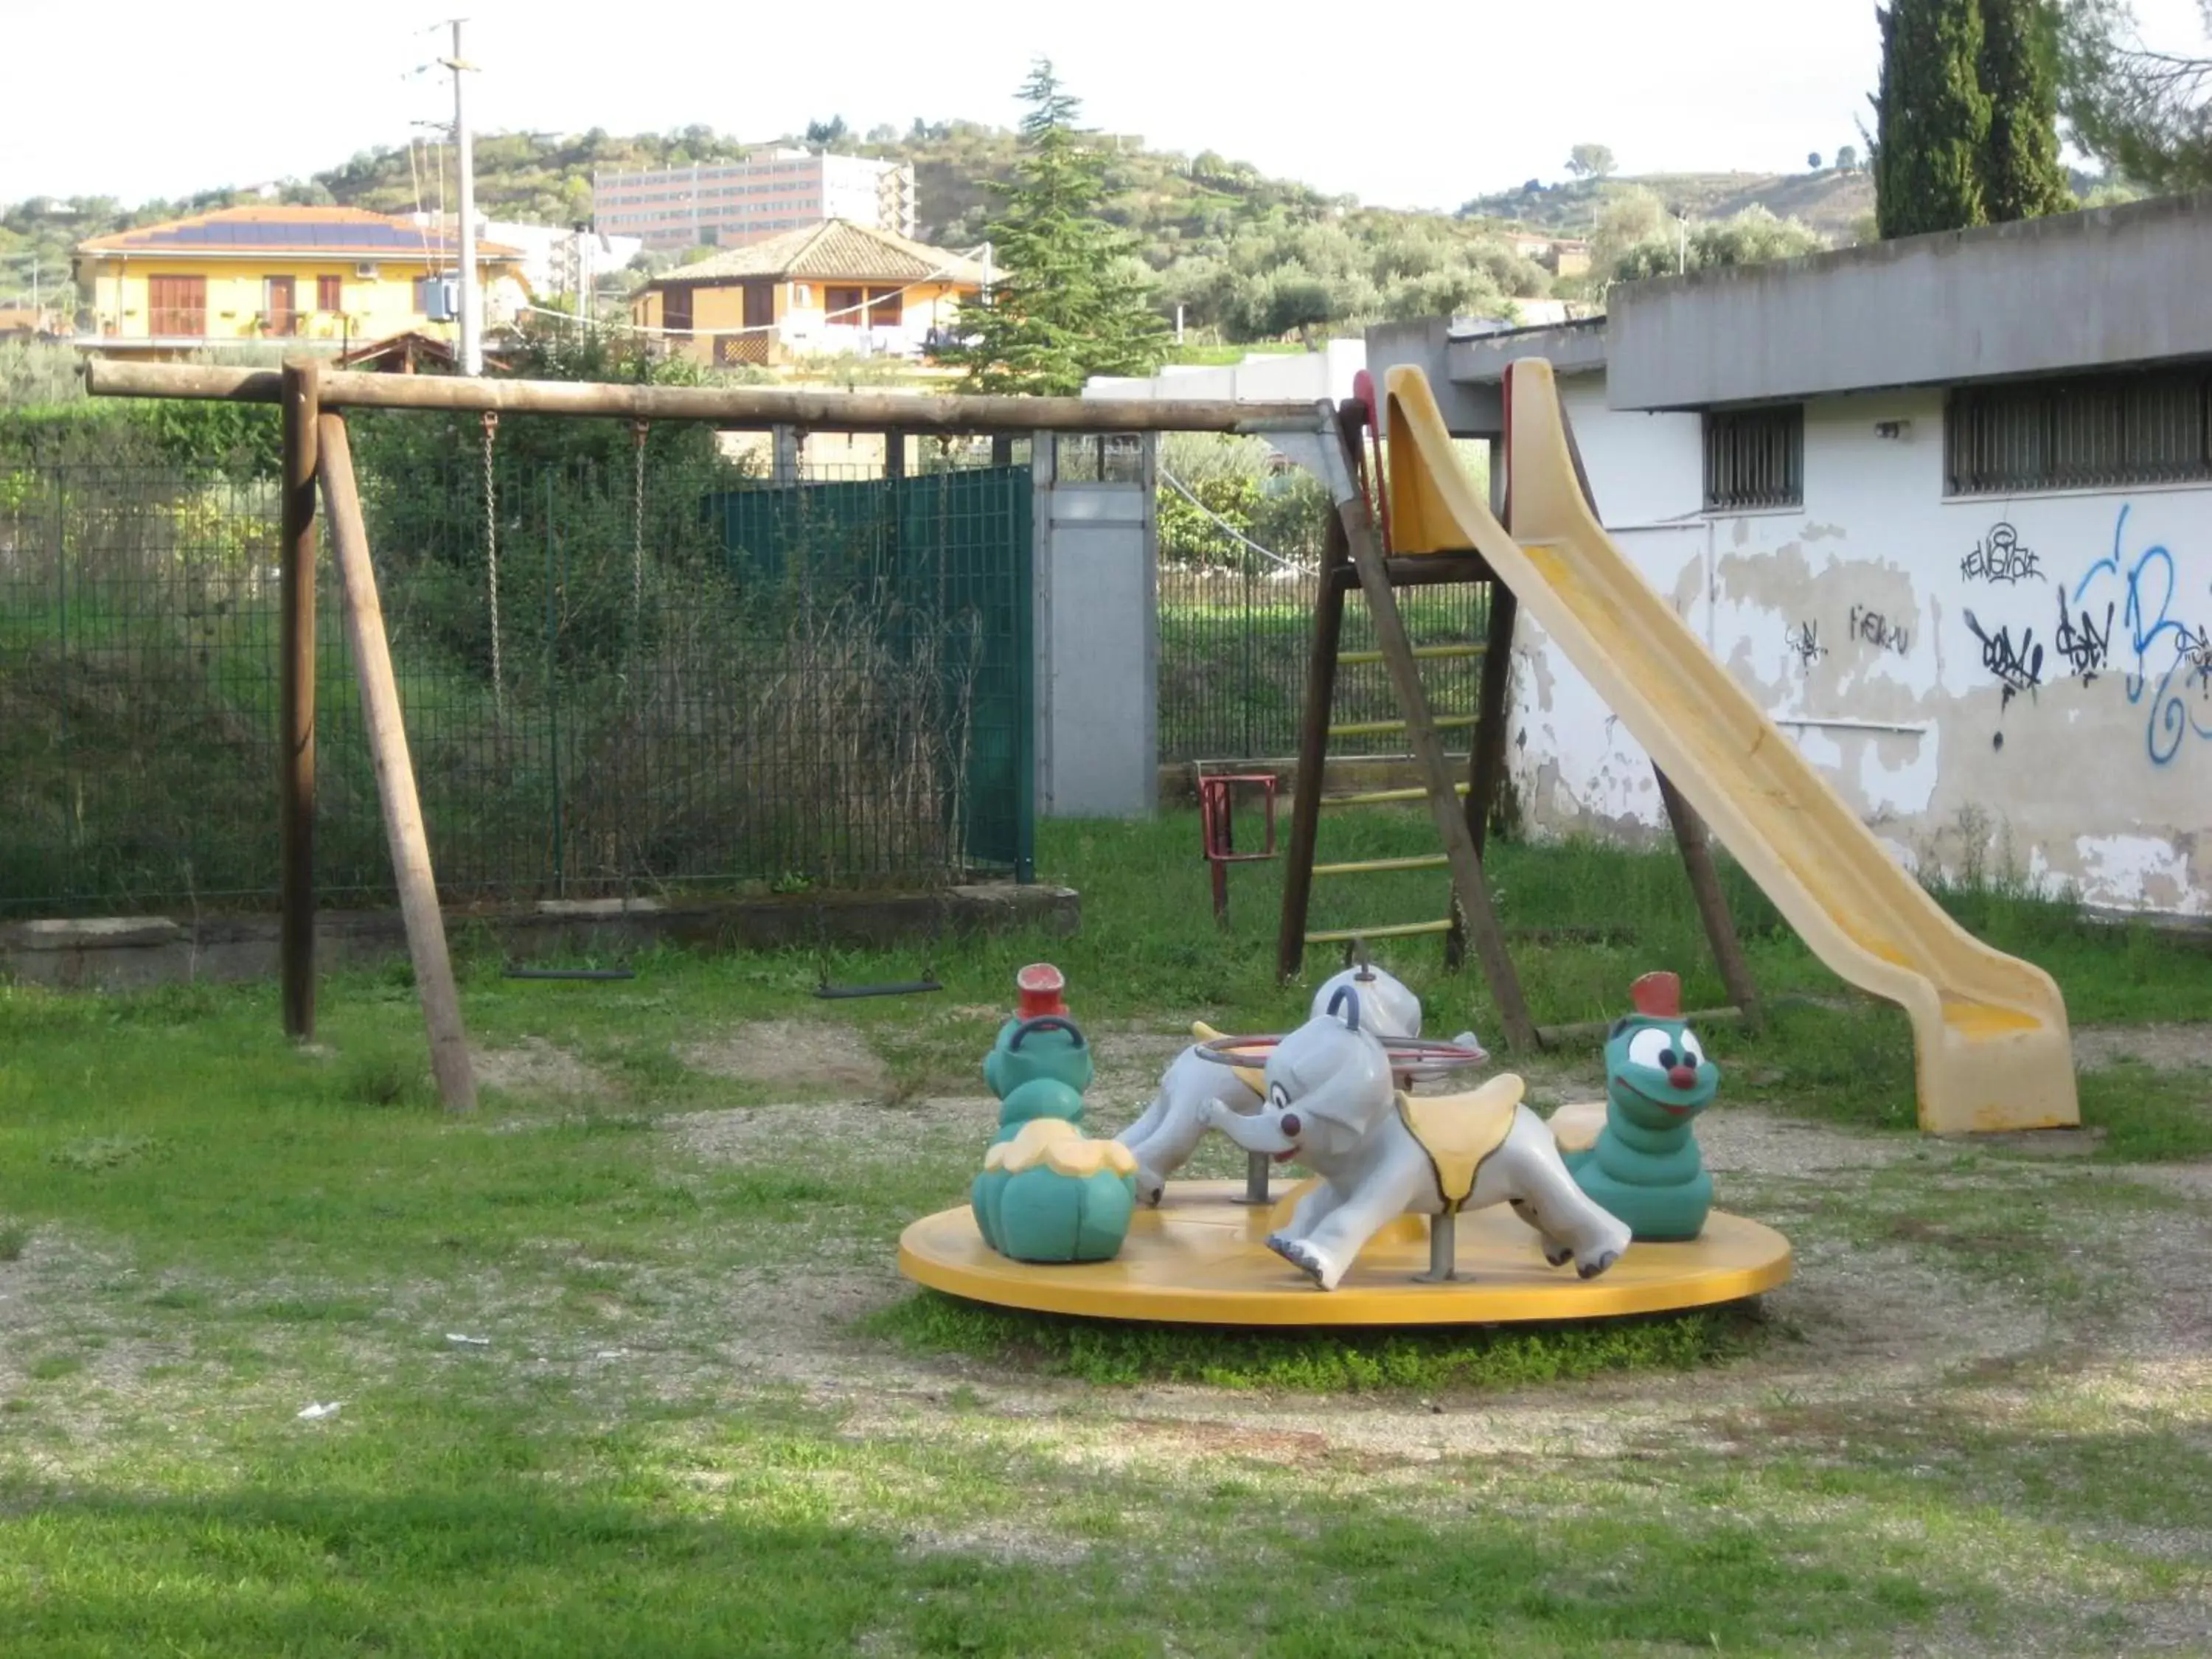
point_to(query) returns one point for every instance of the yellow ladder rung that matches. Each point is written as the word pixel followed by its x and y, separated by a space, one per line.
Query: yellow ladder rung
pixel 1420 651
pixel 1376 728
pixel 1403 930
pixel 1378 797
pixel 1365 867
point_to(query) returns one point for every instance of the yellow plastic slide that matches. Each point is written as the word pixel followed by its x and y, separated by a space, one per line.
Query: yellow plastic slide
pixel 1992 1046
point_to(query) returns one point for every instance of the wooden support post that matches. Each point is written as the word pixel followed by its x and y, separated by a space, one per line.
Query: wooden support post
pixel 1712 904
pixel 395 774
pixel 894 457
pixel 1486 762
pixel 1313 755
pixel 1467 884
pixel 295 718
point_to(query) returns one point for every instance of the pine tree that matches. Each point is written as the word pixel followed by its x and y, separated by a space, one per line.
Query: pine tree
pixel 1066 303
pixel 2021 177
pixel 1931 118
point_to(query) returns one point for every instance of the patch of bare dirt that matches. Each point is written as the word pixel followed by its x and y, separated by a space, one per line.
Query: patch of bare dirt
pixel 819 1052
pixel 748 1132
pixel 535 1067
pixel 1742 1140
pixel 2168 1047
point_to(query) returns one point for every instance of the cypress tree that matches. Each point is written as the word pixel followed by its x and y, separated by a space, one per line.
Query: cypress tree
pixel 1066 305
pixel 2021 177
pixel 1931 118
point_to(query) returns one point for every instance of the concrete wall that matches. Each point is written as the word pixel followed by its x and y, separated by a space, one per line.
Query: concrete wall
pixel 1881 625
pixel 1470 412
pixel 2120 285
pixel 1261 376
pixel 1097 631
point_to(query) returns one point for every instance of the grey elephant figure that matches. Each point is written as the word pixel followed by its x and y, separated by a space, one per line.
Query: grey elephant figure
pixel 1332 1104
pixel 1163 1139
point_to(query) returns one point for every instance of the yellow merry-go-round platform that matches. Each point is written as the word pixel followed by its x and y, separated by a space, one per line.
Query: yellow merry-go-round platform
pixel 1201 1258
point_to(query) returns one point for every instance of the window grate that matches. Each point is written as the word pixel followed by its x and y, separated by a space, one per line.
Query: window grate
pixel 2082 432
pixel 1755 458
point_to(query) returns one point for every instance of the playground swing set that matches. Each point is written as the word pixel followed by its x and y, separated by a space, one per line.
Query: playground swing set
pixel 1992 1042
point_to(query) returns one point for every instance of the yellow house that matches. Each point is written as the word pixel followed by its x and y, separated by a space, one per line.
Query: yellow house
pixel 315 273
pixel 834 288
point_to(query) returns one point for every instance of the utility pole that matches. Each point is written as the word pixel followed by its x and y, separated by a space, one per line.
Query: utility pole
pixel 464 164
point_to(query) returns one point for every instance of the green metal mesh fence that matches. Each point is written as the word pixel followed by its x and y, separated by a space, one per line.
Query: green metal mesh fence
pixel 1234 639
pixel 627 670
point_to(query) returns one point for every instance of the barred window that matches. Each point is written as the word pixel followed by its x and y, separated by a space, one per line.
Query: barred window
pixel 1754 458
pixel 2082 432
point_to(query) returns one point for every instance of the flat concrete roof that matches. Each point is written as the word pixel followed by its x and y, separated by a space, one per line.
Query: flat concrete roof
pixel 2105 288
pixel 1575 348
pixel 2102 289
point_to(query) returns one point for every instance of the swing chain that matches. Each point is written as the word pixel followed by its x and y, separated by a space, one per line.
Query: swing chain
pixel 491 565
pixel 639 431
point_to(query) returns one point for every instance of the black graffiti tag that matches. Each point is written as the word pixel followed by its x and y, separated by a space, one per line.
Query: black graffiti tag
pixel 1805 640
pixel 2196 659
pixel 2019 667
pixel 1999 557
pixel 1877 630
pixel 2083 644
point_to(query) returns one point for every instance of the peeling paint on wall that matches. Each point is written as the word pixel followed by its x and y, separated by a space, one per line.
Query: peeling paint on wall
pixel 2038 668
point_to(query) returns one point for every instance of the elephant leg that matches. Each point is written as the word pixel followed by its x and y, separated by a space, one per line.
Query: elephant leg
pixel 1147 1124
pixel 1327 1252
pixel 1163 1139
pixel 1556 1252
pixel 1321 1199
pixel 1529 1172
pixel 1140 1138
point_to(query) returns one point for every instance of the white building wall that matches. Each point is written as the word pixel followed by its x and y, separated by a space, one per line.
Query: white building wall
pixel 2021 682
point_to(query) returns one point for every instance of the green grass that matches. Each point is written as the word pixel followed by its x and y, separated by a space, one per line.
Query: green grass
pixel 1108 1354
pixel 203 1230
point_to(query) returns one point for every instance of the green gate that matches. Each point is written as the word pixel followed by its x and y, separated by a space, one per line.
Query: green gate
pixel 940 565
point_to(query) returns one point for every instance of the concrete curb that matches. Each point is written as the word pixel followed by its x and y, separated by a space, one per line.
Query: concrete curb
pixel 125 952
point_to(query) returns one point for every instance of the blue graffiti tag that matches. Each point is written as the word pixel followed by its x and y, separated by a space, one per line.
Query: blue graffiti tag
pixel 2152 584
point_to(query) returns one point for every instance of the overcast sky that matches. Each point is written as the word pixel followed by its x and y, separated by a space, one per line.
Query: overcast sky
pixel 1412 104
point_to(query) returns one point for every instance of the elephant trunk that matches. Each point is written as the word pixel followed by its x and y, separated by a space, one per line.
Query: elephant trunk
pixel 1275 1133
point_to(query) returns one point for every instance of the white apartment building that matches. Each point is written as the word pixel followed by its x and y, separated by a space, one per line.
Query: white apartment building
pixel 774 190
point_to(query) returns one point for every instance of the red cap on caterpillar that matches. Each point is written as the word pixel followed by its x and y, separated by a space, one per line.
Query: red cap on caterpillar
pixel 1658 995
pixel 1040 985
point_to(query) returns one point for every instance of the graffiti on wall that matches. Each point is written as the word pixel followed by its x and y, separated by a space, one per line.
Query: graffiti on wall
pixel 1999 557
pixel 1804 639
pixel 2171 658
pixel 2082 642
pixel 2016 665
pixel 1878 631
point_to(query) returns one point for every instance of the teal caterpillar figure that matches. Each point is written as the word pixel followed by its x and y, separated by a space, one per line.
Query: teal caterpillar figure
pixel 1644 1166
pixel 1047 1193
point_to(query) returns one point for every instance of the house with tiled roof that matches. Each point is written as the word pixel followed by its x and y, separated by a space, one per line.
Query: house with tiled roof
pixel 327 274
pixel 832 289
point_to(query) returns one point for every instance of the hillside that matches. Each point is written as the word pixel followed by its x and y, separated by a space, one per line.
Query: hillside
pixel 1832 202
pixel 1247 256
